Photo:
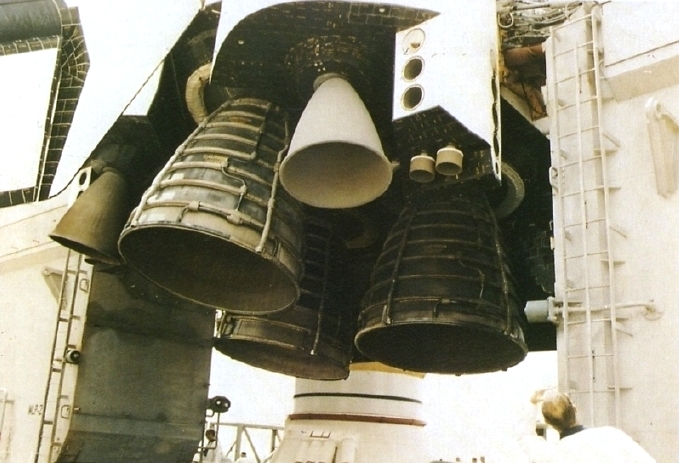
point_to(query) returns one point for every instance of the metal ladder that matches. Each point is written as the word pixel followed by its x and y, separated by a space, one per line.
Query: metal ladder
pixel 57 405
pixel 583 153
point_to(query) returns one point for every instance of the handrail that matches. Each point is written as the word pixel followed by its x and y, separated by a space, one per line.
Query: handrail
pixel 242 428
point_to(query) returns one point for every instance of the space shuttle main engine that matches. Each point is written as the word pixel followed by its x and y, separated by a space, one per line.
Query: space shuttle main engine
pixel 215 227
pixel 312 339
pixel 442 299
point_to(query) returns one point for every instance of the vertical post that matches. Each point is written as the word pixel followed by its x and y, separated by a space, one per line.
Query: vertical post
pixel 239 436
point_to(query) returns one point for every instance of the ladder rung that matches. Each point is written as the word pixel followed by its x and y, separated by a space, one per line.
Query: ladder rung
pixel 588 190
pixel 591 254
pixel 606 150
pixel 597 152
pixel 565 79
pixel 577 162
pixel 584 391
pixel 588 287
pixel 579 73
pixel 579 224
pixel 582 322
pixel 571 50
pixel 571 357
pixel 585 356
pixel 612 388
pixel 584 129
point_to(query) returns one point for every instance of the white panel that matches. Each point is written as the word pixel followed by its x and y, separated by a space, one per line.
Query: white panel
pixel 142 102
pixel 127 40
pixel 28 311
pixel 635 28
pixel 459 56
pixel 25 84
pixel 641 48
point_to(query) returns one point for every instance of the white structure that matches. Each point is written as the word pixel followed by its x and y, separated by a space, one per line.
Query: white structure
pixel 44 274
pixel 374 415
pixel 613 100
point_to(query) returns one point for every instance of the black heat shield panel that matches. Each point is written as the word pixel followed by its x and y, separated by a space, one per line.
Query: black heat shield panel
pixel 258 53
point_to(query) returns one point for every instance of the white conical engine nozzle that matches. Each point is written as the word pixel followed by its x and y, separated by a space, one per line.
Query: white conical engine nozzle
pixel 335 159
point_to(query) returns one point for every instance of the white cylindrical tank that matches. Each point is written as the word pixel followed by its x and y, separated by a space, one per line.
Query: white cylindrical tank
pixel 373 416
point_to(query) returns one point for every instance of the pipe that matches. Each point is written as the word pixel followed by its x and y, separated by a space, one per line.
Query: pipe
pixel 541 311
pixel 22 19
pixel 538 5
pixel 195 86
pixel 523 55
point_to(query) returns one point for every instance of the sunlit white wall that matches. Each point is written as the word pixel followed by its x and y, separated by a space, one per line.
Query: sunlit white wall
pixel 476 415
